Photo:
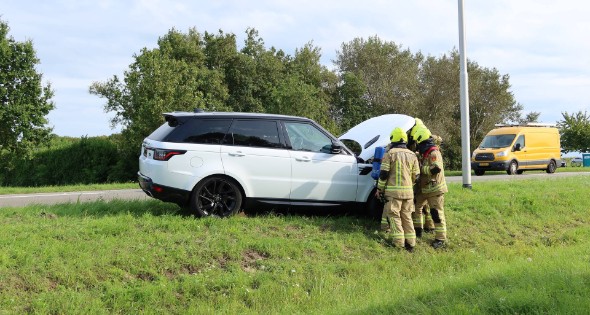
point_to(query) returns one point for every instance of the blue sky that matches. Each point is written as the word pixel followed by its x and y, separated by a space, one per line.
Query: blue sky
pixel 542 44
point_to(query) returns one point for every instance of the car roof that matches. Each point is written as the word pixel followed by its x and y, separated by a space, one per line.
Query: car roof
pixel 182 114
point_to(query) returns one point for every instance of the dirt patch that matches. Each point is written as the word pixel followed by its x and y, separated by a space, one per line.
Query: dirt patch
pixel 250 259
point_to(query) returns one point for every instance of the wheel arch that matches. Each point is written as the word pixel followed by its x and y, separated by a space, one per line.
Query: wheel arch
pixel 240 186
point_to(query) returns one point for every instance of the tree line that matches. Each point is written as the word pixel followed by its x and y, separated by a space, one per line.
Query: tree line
pixel 211 71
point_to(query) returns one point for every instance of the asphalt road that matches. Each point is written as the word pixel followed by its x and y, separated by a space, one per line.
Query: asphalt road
pixel 21 200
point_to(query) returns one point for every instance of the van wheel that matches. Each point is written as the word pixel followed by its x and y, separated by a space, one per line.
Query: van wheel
pixel 216 196
pixel 512 168
pixel 479 172
pixel 519 172
pixel 551 167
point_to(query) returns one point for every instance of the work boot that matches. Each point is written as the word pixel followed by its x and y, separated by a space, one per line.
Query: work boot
pixel 438 244
pixel 409 248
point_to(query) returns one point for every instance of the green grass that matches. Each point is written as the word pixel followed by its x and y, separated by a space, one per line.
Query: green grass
pixel 515 247
pixel 44 189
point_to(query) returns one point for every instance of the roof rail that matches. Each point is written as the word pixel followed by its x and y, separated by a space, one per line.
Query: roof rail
pixel 530 124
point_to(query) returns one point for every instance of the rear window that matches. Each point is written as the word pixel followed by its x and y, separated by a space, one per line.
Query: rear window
pixel 202 131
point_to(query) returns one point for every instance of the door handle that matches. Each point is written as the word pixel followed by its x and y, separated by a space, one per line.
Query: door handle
pixel 303 159
pixel 237 153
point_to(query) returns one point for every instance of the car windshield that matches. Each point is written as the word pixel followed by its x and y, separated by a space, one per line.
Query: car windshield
pixel 497 141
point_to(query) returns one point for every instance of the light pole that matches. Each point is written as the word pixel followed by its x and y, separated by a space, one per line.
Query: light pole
pixel 465 143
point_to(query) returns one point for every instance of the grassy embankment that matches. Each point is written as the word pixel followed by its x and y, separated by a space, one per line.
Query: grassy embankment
pixel 518 246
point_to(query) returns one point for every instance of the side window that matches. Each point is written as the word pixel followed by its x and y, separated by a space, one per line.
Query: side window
pixel 203 131
pixel 306 137
pixel 520 141
pixel 254 133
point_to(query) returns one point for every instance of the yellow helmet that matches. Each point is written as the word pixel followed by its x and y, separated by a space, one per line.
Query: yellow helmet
pixel 398 135
pixel 421 134
pixel 419 124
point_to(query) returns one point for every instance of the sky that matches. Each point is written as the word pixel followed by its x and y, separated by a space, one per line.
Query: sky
pixel 543 45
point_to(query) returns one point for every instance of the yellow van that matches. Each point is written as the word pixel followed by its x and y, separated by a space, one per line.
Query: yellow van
pixel 517 148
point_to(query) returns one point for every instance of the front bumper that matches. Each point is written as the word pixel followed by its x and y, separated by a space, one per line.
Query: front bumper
pixel 490 166
pixel 164 193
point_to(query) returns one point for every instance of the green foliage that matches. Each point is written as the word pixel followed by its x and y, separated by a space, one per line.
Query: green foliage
pixel 372 78
pixel 207 71
pixel 398 81
pixel 66 161
pixel 514 248
pixel 24 100
pixel 575 132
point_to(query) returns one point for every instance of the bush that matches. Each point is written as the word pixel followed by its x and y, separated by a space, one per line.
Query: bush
pixel 66 161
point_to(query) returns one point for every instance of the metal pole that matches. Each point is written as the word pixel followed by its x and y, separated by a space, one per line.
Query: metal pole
pixel 464 87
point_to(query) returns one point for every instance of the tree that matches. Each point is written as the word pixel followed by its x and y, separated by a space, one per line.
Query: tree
pixel 24 100
pixel 388 72
pixel 207 71
pixel 575 132
pixel 379 78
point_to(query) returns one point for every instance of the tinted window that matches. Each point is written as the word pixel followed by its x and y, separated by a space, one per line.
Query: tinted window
pixel 203 131
pixel 254 133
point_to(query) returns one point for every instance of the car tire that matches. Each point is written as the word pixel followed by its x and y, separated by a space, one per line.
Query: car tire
pixel 216 196
pixel 519 172
pixel 512 168
pixel 479 172
pixel 551 167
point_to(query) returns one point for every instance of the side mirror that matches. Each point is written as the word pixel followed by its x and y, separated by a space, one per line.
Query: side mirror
pixel 336 148
pixel 517 147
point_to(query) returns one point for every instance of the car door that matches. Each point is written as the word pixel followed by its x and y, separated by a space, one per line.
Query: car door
pixel 317 173
pixel 254 154
pixel 521 152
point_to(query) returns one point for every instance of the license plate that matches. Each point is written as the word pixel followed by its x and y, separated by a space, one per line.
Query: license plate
pixel 484 164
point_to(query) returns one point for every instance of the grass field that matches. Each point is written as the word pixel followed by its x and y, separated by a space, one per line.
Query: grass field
pixel 516 247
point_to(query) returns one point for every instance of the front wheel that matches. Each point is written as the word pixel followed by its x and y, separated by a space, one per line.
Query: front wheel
pixel 216 196
pixel 551 167
pixel 479 172
pixel 512 168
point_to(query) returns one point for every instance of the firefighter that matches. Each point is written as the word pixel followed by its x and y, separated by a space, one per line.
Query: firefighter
pixel 399 170
pixel 423 222
pixel 432 184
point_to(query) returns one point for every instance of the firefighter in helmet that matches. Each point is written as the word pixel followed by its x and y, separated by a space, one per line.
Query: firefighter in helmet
pixel 399 170
pixel 432 184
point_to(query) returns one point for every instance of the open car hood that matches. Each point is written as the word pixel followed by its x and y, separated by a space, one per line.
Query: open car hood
pixel 374 132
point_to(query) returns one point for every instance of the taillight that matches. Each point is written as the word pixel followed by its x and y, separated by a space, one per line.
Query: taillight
pixel 165 155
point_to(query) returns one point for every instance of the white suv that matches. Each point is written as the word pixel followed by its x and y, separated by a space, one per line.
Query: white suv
pixel 218 163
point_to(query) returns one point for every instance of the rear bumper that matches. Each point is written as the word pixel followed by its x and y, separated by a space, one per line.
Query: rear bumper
pixel 490 166
pixel 164 193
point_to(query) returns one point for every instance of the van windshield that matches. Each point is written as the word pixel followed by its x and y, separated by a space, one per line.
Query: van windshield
pixel 496 141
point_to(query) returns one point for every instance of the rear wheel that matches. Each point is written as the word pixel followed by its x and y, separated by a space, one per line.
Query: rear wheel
pixel 216 196
pixel 519 172
pixel 479 172
pixel 512 168
pixel 551 167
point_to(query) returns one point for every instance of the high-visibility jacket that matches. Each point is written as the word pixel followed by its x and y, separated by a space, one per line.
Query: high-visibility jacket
pixel 399 169
pixel 432 184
